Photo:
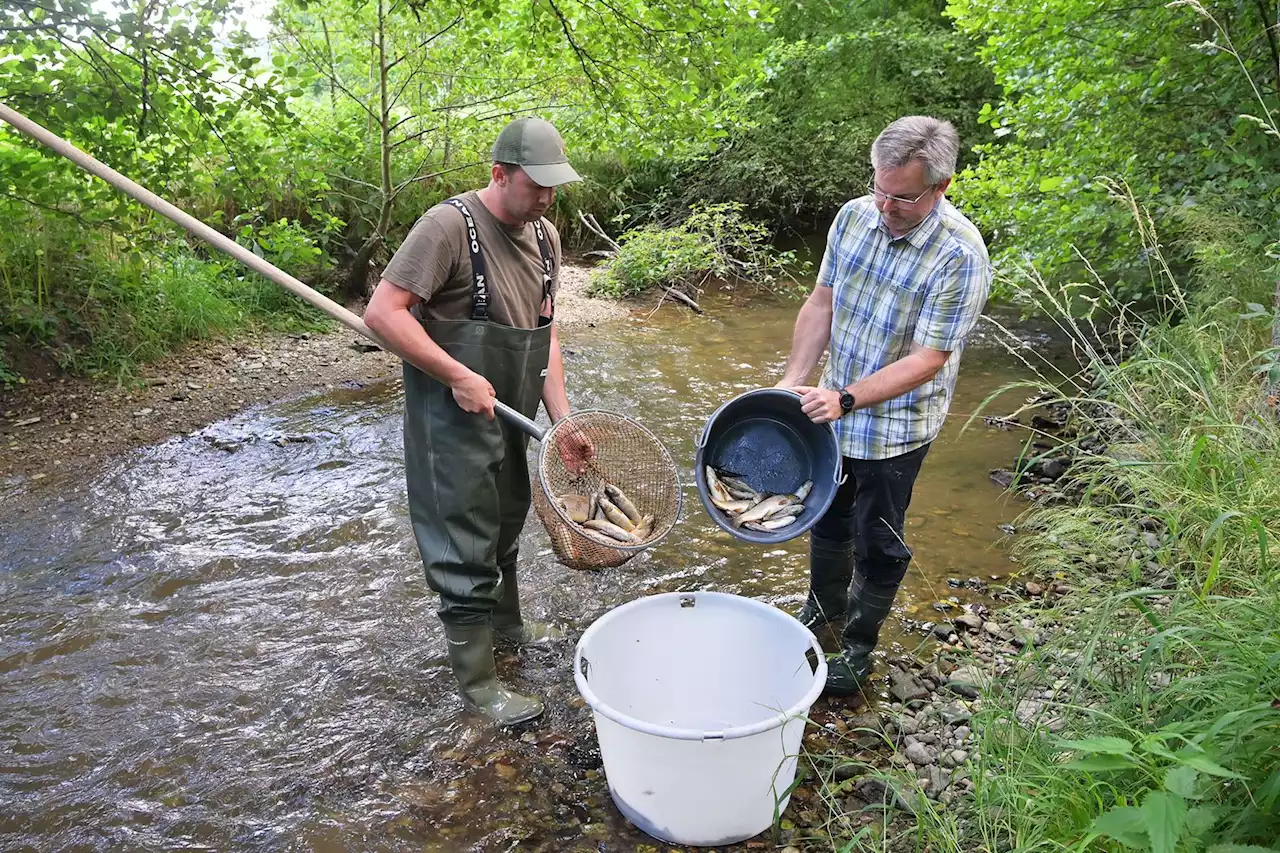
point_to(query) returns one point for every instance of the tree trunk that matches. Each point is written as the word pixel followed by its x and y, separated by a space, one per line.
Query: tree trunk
pixel 357 286
pixel 333 83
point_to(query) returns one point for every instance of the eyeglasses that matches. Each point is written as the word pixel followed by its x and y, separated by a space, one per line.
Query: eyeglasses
pixel 883 196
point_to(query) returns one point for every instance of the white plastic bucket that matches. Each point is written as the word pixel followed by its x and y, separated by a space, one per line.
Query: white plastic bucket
pixel 699 702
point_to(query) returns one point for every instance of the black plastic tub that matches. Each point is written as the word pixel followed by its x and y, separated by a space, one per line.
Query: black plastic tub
pixel 763 437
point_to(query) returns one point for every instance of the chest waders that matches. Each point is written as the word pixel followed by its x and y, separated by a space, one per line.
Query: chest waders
pixel 468 483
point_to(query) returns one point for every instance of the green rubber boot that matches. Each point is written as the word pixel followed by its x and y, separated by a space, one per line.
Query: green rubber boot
pixel 471 656
pixel 869 606
pixel 830 570
pixel 509 625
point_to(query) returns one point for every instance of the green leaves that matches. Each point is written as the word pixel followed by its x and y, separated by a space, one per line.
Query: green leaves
pixel 1165 816
pixel 1125 824
pixel 1088 101
pixel 1162 824
pixel 1181 781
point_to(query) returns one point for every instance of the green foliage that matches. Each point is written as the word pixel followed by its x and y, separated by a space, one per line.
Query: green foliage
pixel 806 150
pixel 715 242
pixel 1184 116
pixel 827 80
pixel 1165 659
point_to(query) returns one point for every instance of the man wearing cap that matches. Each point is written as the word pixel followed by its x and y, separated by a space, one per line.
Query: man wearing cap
pixel 469 301
pixel 903 281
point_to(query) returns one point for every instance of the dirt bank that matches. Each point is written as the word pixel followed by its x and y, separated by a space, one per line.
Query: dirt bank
pixel 55 424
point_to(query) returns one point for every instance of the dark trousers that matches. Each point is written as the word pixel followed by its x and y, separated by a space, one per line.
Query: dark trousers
pixel 870 510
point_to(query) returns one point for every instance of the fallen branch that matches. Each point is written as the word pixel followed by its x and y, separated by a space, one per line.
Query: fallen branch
pixel 593 226
pixel 687 300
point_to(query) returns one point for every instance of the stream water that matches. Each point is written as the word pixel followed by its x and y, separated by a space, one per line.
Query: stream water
pixel 225 642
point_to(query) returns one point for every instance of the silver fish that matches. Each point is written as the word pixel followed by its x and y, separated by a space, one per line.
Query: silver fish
pixel 611 530
pixel 717 488
pixel 783 512
pixel 763 510
pixel 732 507
pixel 615 515
pixel 803 491
pixel 623 503
pixel 739 488
pixel 772 524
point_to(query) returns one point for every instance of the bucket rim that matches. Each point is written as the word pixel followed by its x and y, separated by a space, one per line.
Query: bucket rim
pixel 799 709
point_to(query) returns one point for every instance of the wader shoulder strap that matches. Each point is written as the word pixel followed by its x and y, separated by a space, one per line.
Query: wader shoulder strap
pixel 479 275
pixel 544 248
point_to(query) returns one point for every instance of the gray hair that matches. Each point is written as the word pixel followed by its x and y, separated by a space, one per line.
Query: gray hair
pixel 932 141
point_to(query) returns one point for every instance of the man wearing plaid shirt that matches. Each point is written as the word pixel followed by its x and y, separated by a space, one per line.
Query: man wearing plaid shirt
pixel 902 282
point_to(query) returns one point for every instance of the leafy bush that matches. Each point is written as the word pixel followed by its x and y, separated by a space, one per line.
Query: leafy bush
pixel 1188 120
pixel 715 242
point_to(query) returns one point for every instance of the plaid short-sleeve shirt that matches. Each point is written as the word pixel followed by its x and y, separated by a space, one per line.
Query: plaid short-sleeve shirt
pixel 927 287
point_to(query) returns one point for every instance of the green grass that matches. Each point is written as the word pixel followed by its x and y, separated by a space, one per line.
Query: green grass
pixel 1166 717
pixel 103 307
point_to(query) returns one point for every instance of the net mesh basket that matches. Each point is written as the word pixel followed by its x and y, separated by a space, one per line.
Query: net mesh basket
pixel 627 456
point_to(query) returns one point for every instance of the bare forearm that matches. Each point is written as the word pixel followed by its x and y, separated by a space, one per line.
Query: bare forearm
pixel 812 334
pixel 895 379
pixel 554 395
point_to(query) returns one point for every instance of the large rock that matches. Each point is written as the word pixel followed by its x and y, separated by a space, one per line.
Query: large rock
pixel 938 781
pixel 919 754
pixel 955 713
pixel 879 791
pixel 906 687
pixel 969 677
pixel 970 621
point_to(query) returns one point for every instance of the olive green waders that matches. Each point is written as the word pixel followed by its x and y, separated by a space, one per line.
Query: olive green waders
pixel 468 487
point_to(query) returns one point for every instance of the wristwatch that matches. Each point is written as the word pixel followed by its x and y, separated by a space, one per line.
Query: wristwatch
pixel 846 402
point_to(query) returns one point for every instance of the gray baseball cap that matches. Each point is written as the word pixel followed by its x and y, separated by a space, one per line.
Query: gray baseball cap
pixel 535 145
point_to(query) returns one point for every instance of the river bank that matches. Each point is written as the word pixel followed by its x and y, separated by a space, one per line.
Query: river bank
pixel 57 425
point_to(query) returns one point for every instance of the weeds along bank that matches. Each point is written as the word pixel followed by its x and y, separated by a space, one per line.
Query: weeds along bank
pixel 1143 712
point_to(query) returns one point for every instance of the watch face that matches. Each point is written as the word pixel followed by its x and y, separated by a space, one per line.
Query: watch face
pixel 846 401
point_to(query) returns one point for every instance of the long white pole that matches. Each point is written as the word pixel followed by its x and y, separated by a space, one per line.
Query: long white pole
pixel 220 241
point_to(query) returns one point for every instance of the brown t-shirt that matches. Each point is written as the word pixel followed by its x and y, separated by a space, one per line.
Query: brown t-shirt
pixel 434 263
